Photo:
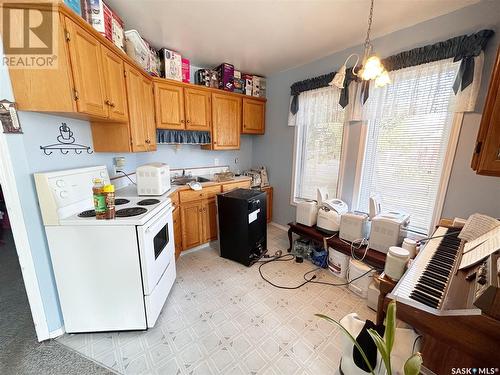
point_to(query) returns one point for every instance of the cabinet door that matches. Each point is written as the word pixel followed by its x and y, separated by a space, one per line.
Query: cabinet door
pixel 191 224
pixel 116 94
pixel 136 101
pixel 88 76
pixel 34 89
pixel 254 114
pixel 210 220
pixel 226 122
pixel 177 231
pixel 198 109
pixel 169 106
pixel 148 114
pixel 486 158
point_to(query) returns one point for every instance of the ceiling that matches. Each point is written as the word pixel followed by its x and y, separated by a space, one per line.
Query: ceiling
pixel 264 37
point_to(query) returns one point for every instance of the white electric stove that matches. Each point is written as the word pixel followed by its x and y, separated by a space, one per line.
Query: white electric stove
pixel 110 274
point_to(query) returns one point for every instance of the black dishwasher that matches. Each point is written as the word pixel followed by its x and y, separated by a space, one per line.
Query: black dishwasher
pixel 242 225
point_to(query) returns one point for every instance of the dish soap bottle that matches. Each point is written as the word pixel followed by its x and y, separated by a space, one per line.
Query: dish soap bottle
pixel 109 192
pixel 99 199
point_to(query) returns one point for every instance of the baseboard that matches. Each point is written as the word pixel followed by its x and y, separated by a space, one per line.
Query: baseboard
pixel 197 248
pixel 279 226
pixel 56 333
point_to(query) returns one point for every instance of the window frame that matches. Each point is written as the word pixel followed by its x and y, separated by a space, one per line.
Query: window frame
pixel 296 161
pixel 444 179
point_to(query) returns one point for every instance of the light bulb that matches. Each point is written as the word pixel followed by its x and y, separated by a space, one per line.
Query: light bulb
pixel 382 79
pixel 372 68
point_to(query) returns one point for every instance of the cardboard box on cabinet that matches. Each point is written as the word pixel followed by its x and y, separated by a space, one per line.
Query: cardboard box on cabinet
pixel 225 72
pixel 238 83
pixel 248 78
pixel 186 70
pixel 171 64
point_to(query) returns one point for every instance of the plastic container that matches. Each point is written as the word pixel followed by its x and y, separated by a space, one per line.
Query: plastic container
pixel 109 192
pixel 137 48
pixel 99 199
pixel 373 293
pixel 338 263
pixel 411 246
pixel 396 261
pixel 359 276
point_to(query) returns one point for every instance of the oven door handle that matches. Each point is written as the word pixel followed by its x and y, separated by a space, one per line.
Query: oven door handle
pixel 161 218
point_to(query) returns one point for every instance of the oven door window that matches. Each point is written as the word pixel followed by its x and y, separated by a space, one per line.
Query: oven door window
pixel 161 240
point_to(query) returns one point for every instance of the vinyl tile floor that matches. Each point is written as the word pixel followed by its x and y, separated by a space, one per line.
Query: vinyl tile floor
pixel 20 352
pixel 223 318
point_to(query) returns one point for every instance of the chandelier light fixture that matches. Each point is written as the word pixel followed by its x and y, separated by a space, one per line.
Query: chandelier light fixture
pixel 372 68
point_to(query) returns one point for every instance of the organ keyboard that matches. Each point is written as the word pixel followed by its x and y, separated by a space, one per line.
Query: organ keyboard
pixel 428 280
pixel 437 300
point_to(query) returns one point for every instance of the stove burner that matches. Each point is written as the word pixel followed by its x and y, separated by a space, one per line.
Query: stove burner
pixel 87 213
pixel 120 201
pixel 132 211
pixel 148 202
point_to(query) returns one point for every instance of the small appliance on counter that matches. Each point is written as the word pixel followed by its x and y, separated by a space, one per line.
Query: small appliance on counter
pixel 329 215
pixel 153 179
pixel 388 229
pixel 354 226
pixel 307 213
pixel 242 225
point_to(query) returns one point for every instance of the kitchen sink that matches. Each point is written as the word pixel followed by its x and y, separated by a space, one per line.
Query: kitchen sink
pixel 184 180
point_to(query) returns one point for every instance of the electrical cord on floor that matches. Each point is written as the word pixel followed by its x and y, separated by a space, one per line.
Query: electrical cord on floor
pixel 289 257
pixel 282 258
pixel 126 175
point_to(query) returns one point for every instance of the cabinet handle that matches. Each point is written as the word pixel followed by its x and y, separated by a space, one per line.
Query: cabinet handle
pixel 148 141
pixel 204 210
pixel 113 105
pixel 107 102
pixel 200 210
pixel 188 121
pixel 182 121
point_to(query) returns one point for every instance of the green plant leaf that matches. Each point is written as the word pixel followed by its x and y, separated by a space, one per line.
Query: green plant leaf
pixel 390 326
pixel 382 348
pixel 346 332
pixel 413 364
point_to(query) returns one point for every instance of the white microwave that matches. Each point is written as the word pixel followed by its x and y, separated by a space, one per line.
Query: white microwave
pixel 152 179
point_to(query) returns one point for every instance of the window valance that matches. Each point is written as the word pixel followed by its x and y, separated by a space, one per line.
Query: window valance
pixel 182 137
pixel 462 48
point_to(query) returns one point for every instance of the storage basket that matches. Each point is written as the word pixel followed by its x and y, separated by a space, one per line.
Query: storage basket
pixel 137 48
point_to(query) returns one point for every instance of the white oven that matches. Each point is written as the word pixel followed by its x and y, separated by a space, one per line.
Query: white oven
pixel 156 247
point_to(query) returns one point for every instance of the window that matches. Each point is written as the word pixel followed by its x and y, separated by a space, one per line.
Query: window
pixel 319 131
pixel 408 127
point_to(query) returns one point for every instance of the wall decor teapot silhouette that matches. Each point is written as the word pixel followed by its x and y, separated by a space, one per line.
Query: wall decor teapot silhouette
pixel 66 143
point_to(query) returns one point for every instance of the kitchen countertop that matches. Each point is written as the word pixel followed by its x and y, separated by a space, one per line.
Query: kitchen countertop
pixel 175 188
pixel 131 190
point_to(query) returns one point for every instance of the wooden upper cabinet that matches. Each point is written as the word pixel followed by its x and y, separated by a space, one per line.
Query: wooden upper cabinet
pixel 169 106
pixel 486 158
pixel 136 102
pixel 116 94
pixel 44 90
pixel 88 75
pixel 254 114
pixel 149 114
pixel 226 122
pixel 198 109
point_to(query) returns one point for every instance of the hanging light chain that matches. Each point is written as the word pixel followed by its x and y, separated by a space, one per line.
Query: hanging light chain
pixel 368 44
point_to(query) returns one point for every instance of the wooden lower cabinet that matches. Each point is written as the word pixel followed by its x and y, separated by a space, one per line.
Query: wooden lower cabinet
pixel 198 222
pixel 192 224
pixel 269 199
pixel 177 231
pixel 210 220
